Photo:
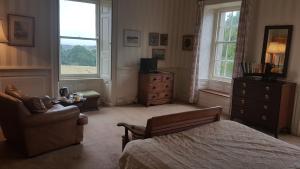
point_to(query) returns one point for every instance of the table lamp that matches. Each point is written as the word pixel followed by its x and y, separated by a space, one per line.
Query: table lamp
pixel 2 35
pixel 275 49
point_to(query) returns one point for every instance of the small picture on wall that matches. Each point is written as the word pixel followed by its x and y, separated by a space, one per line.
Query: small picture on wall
pixel 132 38
pixel 164 38
pixel 153 39
pixel 20 30
pixel 188 42
pixel 159 54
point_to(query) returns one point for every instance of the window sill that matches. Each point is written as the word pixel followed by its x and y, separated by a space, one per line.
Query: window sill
pixel 214 92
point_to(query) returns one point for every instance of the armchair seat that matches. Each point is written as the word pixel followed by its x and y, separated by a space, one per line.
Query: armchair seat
pixel 37 133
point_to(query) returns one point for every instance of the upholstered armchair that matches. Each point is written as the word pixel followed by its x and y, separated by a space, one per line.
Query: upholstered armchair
pixel 38 133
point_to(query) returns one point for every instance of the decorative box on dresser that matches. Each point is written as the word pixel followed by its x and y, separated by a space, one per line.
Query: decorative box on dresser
pixel 266 105
pixel 155 88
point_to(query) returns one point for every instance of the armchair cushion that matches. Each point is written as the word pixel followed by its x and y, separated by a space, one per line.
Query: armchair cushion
pixel 34 104
pixel 47 102
pixel 11 90
pixel 52 116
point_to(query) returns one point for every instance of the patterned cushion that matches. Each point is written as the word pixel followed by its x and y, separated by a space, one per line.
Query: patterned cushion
pixel 34 104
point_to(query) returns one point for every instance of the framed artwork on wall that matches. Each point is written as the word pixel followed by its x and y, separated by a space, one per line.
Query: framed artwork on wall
pixel 153 39
pixel 188 42
pixel 164 38
pixel 159 54
pixel 132 38
pixel 21 30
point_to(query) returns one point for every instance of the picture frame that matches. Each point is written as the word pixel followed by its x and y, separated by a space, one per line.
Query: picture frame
pixel 188 42
pixel 164 39
pixel 153 39
pixel 132 38
pixel 21 30
pixel 159 54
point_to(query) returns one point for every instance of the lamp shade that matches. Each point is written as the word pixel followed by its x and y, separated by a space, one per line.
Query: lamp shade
pixel 2 35
pixel 276 48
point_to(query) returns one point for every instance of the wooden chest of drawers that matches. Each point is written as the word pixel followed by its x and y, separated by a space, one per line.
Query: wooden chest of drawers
pixel 155 88
pixel 263 104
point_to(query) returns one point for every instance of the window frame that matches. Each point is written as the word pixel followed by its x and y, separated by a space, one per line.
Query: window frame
pixel 97 39
pixel 215 42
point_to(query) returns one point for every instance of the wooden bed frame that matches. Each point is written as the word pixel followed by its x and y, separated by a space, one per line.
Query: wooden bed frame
pixel 173 123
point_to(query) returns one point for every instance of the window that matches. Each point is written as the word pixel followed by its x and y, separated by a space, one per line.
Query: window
pixel 79 55
pixel 225 43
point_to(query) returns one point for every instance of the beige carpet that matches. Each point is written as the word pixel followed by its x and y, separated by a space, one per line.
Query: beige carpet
pixel 101 147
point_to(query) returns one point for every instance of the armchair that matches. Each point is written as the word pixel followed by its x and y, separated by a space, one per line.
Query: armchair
pixel 35 134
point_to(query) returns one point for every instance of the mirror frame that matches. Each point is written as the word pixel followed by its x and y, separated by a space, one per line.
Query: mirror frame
pixel 288 46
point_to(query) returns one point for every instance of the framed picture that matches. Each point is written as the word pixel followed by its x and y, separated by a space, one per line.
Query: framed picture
pixel 132 38
pixel 164 38
pixel 153 39
pixel 188 42
pixel 159 54
pixel 20 30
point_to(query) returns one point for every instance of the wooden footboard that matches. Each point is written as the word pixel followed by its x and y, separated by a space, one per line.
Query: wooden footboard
pixel 173 123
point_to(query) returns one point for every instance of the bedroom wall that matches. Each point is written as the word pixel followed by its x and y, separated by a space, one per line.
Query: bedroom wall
pixel 279 12
pixel 175 17
pixel 24 65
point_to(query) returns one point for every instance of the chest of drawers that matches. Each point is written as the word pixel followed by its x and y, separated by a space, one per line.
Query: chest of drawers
pixel 263 104
pixel 155 88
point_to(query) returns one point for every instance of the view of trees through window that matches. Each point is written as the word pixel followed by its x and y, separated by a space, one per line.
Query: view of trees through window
pixel 78 39
pixel 226 43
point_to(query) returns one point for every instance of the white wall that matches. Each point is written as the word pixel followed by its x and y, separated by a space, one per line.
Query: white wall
pixel 174 17
pixel 279 12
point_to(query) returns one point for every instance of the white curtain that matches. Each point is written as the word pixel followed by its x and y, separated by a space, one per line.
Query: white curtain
pixel 196 52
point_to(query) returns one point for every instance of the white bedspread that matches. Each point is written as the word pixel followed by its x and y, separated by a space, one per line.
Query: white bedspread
pixel 220 145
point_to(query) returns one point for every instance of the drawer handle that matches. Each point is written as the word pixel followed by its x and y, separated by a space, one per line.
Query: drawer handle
pixel 242 111
pixel 153 97
pixel 154 79
pixel 268 88
pixel 153 87
pixel 264 117
pixel 167 78
pixel 267 97
pixel 244 92
pixel 266 107
pixel 167 86
pixel 244 84
pixel 166 95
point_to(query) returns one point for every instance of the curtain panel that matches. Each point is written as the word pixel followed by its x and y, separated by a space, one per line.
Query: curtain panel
pixel 246 13
pixel 195 67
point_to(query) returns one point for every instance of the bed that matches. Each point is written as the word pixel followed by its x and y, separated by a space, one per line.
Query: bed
pixel 216 145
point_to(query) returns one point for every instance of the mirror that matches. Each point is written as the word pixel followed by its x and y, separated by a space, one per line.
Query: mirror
pixel 276 48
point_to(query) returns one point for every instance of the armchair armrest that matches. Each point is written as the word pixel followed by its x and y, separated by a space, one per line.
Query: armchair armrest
pixel 136 130
pixel 52 116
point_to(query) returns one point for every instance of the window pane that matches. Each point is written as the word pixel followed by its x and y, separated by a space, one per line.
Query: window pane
pixel 221 51
pixel 77 19
pixel 224 34
pixel 78 56
pixel 220 67
pixel 236 18
pixel 231 51
pixel 233 34
pixel 229 69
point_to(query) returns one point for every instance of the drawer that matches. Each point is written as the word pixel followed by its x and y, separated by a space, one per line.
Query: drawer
pixel 165 95
pixel 167 78
pixel 152 96
pixel 240 113
pixel 266 120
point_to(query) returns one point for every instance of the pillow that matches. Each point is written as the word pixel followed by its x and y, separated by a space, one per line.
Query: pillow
pixel 14 92
pixel 47 102
pixel 34 104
